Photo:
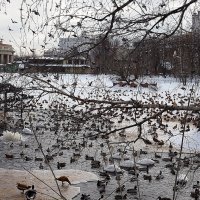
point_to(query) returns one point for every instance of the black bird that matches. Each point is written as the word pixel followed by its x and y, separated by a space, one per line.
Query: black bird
pixel 120 197
pixel 157 156
pixel 85 197
pixel 41 166
pixel 36 12
pixel 14 22
pixel 50 35
pixel 146 141
pixel 120 189
pixel 170 146
pixel 163 198
pixel 132 190
pixel 60 165
pixel 195 194
pixel 155 139
pixel 159 176
pixel 32 50
pixel 31 194
pixel 147 177
pixel 197 185
pixel 10 29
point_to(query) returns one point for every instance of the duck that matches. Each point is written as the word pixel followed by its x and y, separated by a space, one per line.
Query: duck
pixel 120 189
pixel 155 139
pixel 102 188
pixel 195 194
pixel 163 198
pixel 159 176
pixel 172 154
pixel 89 157
pixel 100 183
pixel 31 194
pixel 170 146
pixel 21 154
pixel 85 197
pixel 41 166
pixel 147 177
pixel 26 158
pixel 132 190
pixel 196 185
pixel 60 165
pixel 21 186
pixel 10 156
pixel 105 174
pixel 146 141
pixel 143 152
pixel 120 197
pixel 63 179
pixel 11 145
pixel 72 159
pixel 157 156
pixel 161 143
pixel 38 159
pixel 95 163
pixel 167 159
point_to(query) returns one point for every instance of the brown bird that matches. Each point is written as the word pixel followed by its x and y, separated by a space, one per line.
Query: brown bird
pixel 63 179
pixel 23 187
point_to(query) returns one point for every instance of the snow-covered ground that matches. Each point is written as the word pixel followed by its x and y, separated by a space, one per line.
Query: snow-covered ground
pixel 98 87
pixel 169 91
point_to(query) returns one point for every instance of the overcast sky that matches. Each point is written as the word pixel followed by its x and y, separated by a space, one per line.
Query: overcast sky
pixel 11 33
pixel 10 12
pixel 13 36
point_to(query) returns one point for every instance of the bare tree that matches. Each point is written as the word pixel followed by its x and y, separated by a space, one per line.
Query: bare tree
pixel 99 114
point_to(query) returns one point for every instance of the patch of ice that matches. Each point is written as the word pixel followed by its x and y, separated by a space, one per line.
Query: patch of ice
pixel 27 131
pixel 9 178
pixel 146 162
pixel 112 168
pixel 128 164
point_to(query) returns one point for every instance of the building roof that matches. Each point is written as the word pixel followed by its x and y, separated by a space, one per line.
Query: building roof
pixel 6 47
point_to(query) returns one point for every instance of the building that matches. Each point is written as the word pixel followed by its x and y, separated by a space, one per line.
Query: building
pixel 6 53
pixel 76 65
pixel 196 21
pixel 70 44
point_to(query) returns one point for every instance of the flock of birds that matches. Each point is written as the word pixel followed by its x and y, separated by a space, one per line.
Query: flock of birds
pixel 80 131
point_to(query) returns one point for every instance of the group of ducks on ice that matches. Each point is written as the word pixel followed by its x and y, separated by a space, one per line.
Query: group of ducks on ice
pixel 131 166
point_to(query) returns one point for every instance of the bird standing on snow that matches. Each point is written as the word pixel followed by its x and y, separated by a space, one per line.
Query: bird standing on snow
pixel 21 186
pixel 31 194
pixel 63 179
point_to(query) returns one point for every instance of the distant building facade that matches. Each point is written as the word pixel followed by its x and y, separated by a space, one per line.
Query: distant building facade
pixel 6 53
pixel 57 65
pixel 69 44
pixel 196 22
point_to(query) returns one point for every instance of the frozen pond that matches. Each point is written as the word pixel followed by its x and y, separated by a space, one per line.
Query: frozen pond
pixel 68 141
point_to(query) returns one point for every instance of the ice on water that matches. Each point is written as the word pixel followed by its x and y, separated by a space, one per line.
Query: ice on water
pixel 9 178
